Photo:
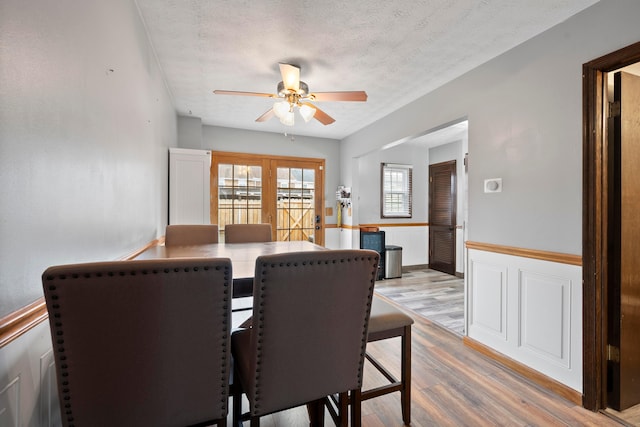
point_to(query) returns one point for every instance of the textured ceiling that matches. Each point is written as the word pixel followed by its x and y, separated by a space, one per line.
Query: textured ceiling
pixel 396 51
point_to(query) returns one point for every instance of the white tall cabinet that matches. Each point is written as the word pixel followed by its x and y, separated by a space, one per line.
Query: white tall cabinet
pixel 189 193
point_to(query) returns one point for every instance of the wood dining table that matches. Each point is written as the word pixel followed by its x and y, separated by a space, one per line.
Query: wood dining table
pixel 243 260
pixel 242 255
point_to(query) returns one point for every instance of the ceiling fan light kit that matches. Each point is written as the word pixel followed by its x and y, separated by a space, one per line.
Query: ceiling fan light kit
pixel 280 108
pixel 290 94
pixel 288 119
pixel 284 110
pixel 307 112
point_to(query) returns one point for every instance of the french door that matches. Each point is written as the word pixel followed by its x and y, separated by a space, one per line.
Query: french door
pixel 286 192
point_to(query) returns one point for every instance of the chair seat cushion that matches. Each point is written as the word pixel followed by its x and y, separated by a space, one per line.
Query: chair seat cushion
pixel 385 316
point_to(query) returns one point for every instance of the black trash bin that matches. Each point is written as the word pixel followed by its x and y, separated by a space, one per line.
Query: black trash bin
pixel 374 240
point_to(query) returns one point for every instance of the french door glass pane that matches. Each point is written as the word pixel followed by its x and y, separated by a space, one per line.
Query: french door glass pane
pixel 296 204
pixel 239 195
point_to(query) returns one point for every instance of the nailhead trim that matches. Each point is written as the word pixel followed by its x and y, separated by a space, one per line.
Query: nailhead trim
pixel 258 328
pixel 58 327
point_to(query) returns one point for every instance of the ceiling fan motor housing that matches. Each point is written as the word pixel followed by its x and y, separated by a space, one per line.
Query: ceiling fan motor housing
pixel 302 92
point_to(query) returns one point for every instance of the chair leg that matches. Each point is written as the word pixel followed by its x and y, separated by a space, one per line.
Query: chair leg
pixel 236 392
pixel 316 413
pixel 356 403
pixel 237 410
pixel 255 422
pixel 405 394
pixel 343 409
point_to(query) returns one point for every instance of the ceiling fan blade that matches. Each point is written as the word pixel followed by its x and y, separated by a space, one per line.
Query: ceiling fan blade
pixel 234 92
pixel 290 76
pixel 266 116
pixel 320 115
pixel 358 95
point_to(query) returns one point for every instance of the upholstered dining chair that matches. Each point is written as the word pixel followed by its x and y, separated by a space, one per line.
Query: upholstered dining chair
pixel 385 322
pixel 247 233
pixel 309 333
pixel 190 234
pixel 141 342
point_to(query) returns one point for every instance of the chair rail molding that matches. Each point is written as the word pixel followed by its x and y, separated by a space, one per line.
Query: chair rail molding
pixel 527 253
pixel 28 390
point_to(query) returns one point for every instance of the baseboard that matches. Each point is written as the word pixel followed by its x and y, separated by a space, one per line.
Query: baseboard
pixel 531 374
pixel 409 268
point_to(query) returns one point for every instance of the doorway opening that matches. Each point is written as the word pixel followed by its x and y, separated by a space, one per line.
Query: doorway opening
pixel 437 296
pixel 605 201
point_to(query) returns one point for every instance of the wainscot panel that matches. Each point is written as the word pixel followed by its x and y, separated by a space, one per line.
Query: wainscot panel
pixel 529 310
pixel 28 394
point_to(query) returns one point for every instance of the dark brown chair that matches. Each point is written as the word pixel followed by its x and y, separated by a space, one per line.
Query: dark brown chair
pixel 190 234
pixel 309 333
pixel 386 322
pixel 141 343
pixel 247 233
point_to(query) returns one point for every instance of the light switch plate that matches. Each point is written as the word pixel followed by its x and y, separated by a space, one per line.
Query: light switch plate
pixel 493 185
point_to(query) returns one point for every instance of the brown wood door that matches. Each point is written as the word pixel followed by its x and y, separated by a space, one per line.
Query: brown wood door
pixel 442 217
pixel 286 192
pixel 624 282
pixel 298 188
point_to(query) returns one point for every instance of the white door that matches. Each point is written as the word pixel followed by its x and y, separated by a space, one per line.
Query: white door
pixel 189 175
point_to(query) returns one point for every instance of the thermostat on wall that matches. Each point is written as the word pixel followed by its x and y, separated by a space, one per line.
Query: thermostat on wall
pixel 493 185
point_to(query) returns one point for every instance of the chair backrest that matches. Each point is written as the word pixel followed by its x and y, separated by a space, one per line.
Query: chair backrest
pixel 311 313
pixel 190 234
pixel 247 233
pixel 141 342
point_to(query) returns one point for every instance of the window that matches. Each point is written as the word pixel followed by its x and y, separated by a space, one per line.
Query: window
pixel 239 194
pixel 395 200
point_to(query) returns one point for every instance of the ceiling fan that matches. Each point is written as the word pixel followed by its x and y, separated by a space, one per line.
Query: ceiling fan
pixel 294 93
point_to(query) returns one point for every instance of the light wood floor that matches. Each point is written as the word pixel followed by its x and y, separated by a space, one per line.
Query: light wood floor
pixel 454 385
pixel 437 296
pixel 631 416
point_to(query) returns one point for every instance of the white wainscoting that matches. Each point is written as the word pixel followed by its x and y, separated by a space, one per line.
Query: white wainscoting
pixel 332 238
pixel 529 310
pixel 460 251
pixel 28 393
pixel 349 238
pixel 414 241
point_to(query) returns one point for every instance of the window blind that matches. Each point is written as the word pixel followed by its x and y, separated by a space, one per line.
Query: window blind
pixel 396 189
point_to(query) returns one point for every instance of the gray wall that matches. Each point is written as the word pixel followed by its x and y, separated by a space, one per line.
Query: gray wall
pixel 85 124
pixel 190 132
pixel 525 126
